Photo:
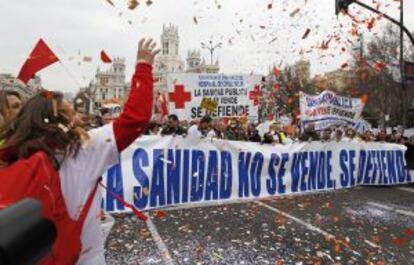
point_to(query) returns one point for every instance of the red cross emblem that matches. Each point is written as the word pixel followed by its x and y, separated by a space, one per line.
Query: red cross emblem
pixel 255 95
pixel 179 96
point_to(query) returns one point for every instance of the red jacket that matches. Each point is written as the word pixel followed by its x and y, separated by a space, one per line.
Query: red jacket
pixel 22 179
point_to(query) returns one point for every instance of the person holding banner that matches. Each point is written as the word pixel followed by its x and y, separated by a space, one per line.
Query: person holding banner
pixel 173 127
pixel 47 124
pixel 201 129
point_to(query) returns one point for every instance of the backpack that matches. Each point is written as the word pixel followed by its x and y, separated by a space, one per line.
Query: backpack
pixel 36 178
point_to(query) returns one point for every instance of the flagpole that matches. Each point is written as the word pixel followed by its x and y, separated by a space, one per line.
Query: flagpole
pixel 70 74
pixel 403 91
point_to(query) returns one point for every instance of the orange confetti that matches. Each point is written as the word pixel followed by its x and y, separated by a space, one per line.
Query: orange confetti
pixel 345 65
pixel 278 262
pixel 132 4
pixel 364 98
pixel 371 24
pixel 145 191
pixel 410 232
pixel 160 214
pixel 380 66
pixel 399 241
pixel 276 71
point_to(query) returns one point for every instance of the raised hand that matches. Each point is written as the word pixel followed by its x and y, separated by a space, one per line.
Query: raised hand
pixel 146 52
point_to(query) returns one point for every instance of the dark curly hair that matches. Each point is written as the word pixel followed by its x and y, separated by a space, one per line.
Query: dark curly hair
pixel 42 125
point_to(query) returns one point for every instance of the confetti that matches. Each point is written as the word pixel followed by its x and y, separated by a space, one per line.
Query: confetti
pixel 399 241
pixel 87 59
pixel 132 4
pixel 410 232
pixel 306 34
pixel 160 214
pixel 295 12
pixel 146 191
pixel 110 2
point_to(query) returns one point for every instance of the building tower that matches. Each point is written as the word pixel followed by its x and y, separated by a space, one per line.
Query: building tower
pixel 169 60
pixel 193 61
pixel 111 84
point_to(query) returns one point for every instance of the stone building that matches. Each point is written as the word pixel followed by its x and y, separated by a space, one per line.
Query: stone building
pixel 111 84
pixel 197 65
pixel 169 61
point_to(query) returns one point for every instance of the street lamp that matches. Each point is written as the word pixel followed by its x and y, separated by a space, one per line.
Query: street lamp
pixel 211 48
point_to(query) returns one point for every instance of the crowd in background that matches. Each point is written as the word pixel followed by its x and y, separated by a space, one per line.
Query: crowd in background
pixel 273 132
pixel 270 132
pixel 234 129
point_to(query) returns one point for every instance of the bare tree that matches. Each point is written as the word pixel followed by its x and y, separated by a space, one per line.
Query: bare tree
pixel 377 74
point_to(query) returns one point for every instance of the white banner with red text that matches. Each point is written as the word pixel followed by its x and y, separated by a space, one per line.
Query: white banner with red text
pixel 157 172
pixel 235 95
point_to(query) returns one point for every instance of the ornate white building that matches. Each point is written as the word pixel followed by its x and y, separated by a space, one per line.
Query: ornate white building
pixel 9 82
pixel 110 84
pixel 197 65
pixel 169 61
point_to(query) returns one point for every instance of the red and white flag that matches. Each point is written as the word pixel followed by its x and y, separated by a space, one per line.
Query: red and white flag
pixel 41 57
pixel 105 57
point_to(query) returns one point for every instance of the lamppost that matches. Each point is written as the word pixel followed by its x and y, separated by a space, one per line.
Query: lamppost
pixel 211 48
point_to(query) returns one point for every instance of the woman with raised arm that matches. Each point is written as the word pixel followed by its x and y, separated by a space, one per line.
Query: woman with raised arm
pixel 47 124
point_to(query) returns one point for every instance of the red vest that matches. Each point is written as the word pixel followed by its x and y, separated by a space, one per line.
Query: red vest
pixel 36 178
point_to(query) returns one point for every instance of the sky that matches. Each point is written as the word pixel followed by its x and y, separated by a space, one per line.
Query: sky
pixel 254 36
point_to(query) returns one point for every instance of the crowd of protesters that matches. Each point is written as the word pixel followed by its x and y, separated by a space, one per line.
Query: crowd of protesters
pixel 233 129
pixel 274 133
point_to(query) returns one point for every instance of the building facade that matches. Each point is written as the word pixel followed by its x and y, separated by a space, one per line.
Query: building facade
pixel 110 86
pixel 169 61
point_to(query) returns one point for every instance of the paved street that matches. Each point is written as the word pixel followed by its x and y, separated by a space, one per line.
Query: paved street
pixel 359 226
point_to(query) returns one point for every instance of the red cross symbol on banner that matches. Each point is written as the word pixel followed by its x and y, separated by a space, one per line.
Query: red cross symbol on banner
pixel 179 96
pixel 255 95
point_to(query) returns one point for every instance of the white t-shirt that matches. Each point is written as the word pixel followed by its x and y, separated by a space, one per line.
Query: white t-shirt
pixel 211 134
pixel 78 177
pixel 193 131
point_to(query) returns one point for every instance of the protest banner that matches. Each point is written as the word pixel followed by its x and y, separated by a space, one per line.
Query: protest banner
pixel 236 95
pixel 328 109
pixel 157 172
